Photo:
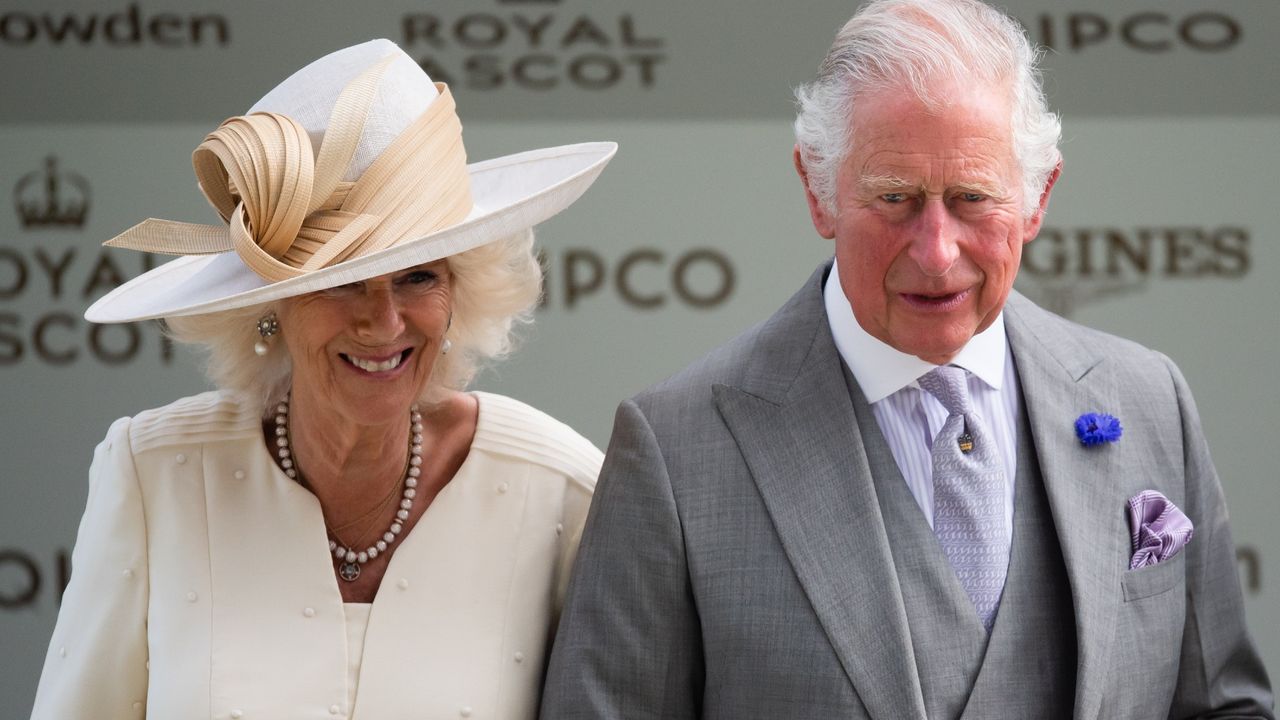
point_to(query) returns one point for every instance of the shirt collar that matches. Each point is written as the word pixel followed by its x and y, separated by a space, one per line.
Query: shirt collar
pixel 882 370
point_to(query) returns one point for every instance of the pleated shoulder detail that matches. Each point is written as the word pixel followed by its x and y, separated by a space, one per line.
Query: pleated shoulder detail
pixel 195 419
pixel 510 427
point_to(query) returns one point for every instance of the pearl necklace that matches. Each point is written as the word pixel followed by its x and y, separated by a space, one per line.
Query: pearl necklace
pixel 350 559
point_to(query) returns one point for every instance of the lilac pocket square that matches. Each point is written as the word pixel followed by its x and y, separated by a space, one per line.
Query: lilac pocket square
pixel 1158 528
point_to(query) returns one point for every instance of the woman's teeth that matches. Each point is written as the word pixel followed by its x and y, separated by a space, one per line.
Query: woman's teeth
pixel 372 366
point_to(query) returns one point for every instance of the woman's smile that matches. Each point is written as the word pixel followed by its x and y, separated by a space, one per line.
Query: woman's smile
pixel 376 365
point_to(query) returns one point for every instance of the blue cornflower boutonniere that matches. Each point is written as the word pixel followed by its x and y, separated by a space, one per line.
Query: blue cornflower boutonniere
pixel 1098 428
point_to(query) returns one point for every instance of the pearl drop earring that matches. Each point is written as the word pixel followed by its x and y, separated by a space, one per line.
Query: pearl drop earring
pixel 446 346
pixel 267 326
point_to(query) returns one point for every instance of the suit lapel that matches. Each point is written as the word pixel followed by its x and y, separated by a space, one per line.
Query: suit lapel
pixel 794 423
pixel 1061 379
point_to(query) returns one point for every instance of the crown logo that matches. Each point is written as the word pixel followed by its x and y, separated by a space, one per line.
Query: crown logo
pixel 40 202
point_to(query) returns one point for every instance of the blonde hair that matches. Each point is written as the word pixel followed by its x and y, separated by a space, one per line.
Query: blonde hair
pixel 495 289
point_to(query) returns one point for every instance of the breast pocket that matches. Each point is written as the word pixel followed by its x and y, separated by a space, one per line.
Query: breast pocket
pixel 1148 634
pixel 1154 579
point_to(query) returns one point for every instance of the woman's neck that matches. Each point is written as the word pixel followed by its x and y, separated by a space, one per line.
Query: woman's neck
pixel 344 462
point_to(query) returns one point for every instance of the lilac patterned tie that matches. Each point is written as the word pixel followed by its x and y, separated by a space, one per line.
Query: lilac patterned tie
pixel 968 494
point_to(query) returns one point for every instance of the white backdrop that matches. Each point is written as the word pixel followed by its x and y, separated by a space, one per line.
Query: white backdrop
pixel 1163 228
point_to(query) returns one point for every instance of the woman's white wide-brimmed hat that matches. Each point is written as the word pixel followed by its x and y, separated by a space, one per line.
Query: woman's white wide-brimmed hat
pixel 351 168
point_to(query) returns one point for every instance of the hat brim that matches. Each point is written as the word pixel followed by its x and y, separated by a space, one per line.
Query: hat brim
pixel 511 193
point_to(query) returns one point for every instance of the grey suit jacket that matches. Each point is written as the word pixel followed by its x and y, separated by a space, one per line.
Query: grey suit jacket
pixel 734 562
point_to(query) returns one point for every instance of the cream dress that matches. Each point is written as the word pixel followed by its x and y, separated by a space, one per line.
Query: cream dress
pixel 203 587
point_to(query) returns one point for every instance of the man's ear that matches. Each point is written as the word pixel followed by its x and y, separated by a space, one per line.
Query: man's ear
pixel 823 221
pixel 1032 225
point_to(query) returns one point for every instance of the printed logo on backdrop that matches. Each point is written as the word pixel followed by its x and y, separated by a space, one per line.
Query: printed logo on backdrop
pixel 41 200
pixel 127 26
pixel 1066 268
pixel 537 45
pixel 1146 32
pixel 643 278
pixel 28 580
pixel 54 268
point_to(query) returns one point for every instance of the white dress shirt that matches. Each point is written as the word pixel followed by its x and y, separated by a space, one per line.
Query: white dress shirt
pixel 910 418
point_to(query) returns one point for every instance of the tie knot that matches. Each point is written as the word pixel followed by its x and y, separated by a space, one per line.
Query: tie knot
pixel 949 384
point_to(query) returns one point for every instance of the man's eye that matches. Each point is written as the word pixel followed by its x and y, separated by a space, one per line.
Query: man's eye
pixel 972 197
pixel 896 197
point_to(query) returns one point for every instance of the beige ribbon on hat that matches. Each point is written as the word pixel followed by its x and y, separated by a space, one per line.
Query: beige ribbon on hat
pixel 288 214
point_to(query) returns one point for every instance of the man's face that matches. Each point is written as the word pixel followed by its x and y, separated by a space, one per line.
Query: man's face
pixel 928 219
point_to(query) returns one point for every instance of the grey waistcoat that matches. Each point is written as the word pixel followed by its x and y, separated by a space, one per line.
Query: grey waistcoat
pixel 1027 667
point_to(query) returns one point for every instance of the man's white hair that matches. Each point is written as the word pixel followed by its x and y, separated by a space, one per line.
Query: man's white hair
pixel 918 45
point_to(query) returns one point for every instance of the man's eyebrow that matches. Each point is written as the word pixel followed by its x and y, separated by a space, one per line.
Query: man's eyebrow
pixel 893 183
pixel 982 188
pixel 886 182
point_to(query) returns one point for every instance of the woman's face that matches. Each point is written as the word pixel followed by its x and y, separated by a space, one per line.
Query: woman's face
pixel 364 351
